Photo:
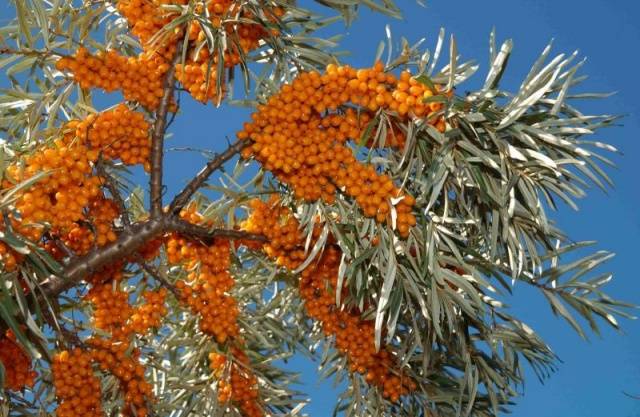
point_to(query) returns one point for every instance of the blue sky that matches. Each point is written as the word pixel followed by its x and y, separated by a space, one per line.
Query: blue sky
pixel 591 380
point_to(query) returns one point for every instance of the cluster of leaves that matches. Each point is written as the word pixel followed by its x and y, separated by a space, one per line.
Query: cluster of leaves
pixel 484 189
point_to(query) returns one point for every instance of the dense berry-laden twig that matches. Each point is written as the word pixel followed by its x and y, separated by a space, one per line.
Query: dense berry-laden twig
pixel 129 241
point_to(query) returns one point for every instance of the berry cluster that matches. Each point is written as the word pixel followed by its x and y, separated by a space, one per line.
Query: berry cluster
pixel 200 72
pixel 77 387
pixel 67 201
pixel 301 135
pixel 60 197
pixel 17 365
pixel 147 17
pixel 139 79
pixel 149 315
pixel 281 229
pixel 354 336
pixel 9 258
pixel 206 290
pixel 111 308
pixel 112 356
pixel 240 386
pixel 120 133
pixel 114 314
pixel 96 229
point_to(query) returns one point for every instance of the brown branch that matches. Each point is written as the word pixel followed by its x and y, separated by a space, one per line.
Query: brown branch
pixel 180 200
pixel 157 139
pixel 129 241
pixel 204 233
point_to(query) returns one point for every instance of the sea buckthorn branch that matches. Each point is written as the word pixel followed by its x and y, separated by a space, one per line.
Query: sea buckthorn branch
pixel 157 138
pixel 182 198
pixel 130 240
pixel 204 233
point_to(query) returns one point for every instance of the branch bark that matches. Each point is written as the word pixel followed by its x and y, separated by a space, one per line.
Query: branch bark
pixel 157 140
pixel 204 233
pixel 180 200
pixel 129 241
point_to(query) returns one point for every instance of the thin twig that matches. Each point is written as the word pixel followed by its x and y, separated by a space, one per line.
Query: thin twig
pixel 66 333
pixel 158 276
pixel 157 139
pixel 113 190
pixel 204 233
pixel 213 165
pixel 60 244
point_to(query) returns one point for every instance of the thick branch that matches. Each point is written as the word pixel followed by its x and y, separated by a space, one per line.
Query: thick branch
pixel 213 165
pixel 130 240
pixel 204 233
pixel 157 140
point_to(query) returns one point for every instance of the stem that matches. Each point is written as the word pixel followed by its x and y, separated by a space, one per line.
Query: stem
pixel 213 165
pixel 111 185
pixel 157 140
pixel 129 241
pixel 204 233
pixel 159 276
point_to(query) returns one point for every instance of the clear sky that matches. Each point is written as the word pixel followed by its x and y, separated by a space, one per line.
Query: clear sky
pixel 591 380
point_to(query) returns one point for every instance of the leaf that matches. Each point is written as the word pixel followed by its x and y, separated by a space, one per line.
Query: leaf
pixel 385 293
pixel 498 64
pixel 560 309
